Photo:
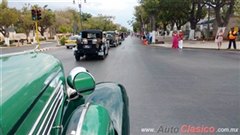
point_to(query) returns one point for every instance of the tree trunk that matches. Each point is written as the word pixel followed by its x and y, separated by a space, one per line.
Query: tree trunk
pixel 218 16
pixel 172 25
pixel 165 26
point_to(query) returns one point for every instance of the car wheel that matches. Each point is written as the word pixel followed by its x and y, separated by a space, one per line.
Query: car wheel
pixel 67 47
pixel 77 57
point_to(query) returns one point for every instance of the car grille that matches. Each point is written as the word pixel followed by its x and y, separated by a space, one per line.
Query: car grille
pixel 44 123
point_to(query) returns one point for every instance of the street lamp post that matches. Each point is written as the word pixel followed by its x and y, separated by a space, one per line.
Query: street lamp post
pixel 80 6
pixel 208 27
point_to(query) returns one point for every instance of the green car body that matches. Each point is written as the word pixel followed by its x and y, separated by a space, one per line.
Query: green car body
pixel 35 99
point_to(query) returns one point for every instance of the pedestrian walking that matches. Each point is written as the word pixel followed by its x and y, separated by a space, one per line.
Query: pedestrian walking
pixel 220 38
pixel 180 39
pixel 164 34
pixel 150 37
pixel 232 37
pixel 175 40
pixel 147 37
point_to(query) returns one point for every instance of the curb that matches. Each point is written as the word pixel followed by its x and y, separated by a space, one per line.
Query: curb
pixel 15 46
pixel 167 46
pixel 38 50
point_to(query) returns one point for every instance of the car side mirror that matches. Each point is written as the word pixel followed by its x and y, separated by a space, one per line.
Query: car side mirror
pixel 81 80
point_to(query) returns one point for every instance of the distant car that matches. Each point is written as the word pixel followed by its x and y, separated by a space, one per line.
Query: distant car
pixel 113 38
pixel 72 41
pixel 35 99
pixel 92 43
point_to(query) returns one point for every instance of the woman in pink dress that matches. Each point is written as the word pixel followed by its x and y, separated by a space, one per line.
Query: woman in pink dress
pixel 220 38
pixel 175 40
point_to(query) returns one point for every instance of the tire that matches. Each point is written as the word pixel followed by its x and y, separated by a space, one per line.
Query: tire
pixel 67 47
pixel 77 57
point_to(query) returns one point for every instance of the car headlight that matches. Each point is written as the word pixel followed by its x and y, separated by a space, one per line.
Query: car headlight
pixel 85 41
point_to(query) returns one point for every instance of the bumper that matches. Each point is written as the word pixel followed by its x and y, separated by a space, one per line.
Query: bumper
pixel 82 52
pixel 70 45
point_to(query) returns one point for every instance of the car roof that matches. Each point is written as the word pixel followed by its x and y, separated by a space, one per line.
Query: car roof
pixel 92 31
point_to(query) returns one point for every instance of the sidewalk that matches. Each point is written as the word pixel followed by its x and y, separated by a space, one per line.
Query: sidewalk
pixel 194 44
pixel 24 44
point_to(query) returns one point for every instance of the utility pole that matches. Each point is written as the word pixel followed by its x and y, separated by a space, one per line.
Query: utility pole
pixel 208 21
pixel 80 11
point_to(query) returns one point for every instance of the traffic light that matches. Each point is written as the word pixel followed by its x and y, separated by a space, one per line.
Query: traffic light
pixel 39 14
pixel 34 16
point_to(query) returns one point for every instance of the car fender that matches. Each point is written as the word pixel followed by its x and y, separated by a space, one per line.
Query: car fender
pixel 89 119
pixel 113 97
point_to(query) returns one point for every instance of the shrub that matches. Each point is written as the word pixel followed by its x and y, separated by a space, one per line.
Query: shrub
pixel 42 39
pixel 11 41
pixel 2 42
pixel 62 40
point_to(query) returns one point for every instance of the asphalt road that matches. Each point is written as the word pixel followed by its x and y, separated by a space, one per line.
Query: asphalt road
pixel 170 89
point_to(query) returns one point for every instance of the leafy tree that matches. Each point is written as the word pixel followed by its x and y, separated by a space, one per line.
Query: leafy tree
pixel 237 9
pixel 85 16
pixel 151 7
pixel 197 12
pixel 65 29
pixel 25 22
pixel 141 16
pixel 100 22
pixel 67 18
pixel 123 29
pixel 8 17
pixel 217 5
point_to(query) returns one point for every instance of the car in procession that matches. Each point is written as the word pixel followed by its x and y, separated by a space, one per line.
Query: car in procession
pixel 92 43
pixel 113 38
pixel 36 98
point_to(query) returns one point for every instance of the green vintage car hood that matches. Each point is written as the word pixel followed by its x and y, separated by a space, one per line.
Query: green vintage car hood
pixel 23 76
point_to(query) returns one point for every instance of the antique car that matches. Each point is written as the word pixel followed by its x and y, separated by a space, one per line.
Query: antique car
pixel 91 44
pixel 71 42
pixel 113 38
pixel 35 99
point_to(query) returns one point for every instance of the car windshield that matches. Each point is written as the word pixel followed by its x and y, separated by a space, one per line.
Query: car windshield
pixel 72 38
pixel 109 35
pixel 91 35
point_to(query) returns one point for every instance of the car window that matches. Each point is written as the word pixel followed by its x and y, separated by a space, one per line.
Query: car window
pixel 91 35
pixel 109 35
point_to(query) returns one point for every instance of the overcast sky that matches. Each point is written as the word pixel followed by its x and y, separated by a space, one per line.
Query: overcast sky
pixel 121 9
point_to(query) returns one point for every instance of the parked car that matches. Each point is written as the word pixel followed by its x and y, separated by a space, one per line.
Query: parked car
pixel 113 38
pixel 72 41
pixel 35 99
pixel 91 44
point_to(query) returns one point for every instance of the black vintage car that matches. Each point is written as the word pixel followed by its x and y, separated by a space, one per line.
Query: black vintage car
pixel 92 43
pixel 113 38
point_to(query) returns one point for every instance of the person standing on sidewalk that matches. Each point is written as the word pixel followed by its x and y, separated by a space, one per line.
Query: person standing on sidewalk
pixel 220 38
pixel 232 37
pixel 150 37
pixel 180 39
pixel 175 40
